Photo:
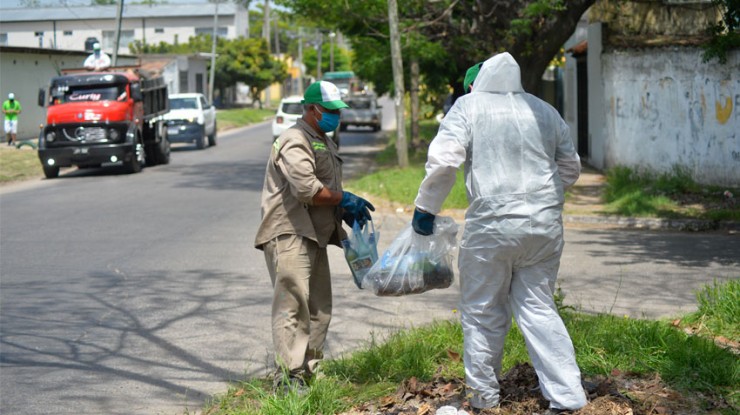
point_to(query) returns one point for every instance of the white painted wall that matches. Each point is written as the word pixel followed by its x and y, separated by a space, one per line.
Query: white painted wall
pixel 22 34
pixel 665 107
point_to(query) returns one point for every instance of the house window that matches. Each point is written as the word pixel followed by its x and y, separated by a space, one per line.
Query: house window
pixel 199 83
pixel 158 30
pixel 109 39
pixel 222 31
pixel 67 33
pixel 4 39
pixel 41 34
pixel 183 82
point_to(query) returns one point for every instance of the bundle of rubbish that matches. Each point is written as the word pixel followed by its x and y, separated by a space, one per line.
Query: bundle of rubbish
pixel 414 263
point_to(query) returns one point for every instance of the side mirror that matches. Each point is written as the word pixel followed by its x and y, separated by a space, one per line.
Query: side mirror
pixel 136 92
pixel 42 97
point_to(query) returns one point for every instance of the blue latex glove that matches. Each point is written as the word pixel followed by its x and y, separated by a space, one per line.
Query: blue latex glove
pixel 348 219
pixel 357 207
pixel 423 222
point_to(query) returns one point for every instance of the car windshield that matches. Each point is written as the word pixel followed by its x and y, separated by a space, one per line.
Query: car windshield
pixel 183 103
pixel 294 108
pixel 65 93
pixel 359 105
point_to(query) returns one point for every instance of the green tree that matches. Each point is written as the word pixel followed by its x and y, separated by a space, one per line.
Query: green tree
pixel 450 35
pixel 341 59
pixel 248 61
pixel 725 34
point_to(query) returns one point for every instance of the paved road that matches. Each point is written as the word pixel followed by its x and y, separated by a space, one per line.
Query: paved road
pixel 142 294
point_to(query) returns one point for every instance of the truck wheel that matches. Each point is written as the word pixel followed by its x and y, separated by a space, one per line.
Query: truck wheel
pixel 138 158
pixel 201 142
pixel 51 172
pixel 162 151
pixel 212 137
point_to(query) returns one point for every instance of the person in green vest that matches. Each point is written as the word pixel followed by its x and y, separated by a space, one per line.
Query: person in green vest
pixel 11 109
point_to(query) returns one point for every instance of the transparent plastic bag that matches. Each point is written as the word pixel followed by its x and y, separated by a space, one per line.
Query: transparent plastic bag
pixel 414 264
pixel 361 250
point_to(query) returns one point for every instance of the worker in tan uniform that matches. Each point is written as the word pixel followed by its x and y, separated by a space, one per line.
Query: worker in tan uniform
pixel 303 206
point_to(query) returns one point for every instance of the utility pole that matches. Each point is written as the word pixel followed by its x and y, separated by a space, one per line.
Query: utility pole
pixel 300 61
pixel 266 35
pixel 318 61
pixel 397 61
pixel 214 40
pixel 119 15
pixel 331 51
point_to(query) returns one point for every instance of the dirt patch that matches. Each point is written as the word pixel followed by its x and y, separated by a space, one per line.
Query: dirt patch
pixel 616 394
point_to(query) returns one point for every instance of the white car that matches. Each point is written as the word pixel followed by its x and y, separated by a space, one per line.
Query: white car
pixel 191 120
pixel 289 111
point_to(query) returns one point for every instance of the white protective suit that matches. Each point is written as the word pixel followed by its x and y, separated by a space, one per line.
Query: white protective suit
pixel 518 158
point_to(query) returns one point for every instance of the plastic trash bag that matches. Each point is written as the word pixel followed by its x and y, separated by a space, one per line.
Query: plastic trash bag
pixel 414 263
pixel 361 250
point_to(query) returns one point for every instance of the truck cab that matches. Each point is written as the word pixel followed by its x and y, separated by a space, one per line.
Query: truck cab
pixel 103 118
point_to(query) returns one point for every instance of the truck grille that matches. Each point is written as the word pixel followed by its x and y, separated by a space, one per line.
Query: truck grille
pixel 84 133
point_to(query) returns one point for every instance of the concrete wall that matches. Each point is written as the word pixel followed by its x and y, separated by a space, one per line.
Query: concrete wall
pixel 23 71
pixel 664 107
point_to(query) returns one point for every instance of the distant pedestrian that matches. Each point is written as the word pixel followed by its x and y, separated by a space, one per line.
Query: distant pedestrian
pixel 98 60
pixel 11 109
pixel 519 159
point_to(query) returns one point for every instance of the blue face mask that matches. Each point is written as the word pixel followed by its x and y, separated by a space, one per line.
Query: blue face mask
pixel 328 122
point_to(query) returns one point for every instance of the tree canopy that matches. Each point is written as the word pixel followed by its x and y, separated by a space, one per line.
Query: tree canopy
pixel 448 36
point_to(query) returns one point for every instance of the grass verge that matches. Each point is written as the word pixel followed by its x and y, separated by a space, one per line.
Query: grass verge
pixel 667 195
pixel 692 365
pixel 239 117
pixel 19 164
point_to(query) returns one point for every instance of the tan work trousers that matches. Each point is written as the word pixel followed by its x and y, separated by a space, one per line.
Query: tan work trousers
pixel 301 302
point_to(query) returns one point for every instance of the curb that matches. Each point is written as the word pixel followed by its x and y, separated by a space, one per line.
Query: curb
pixel 693 225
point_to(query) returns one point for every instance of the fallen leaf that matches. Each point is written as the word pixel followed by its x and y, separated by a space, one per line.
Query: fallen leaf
pixel 676 322
pixel 454 356
pixel 387 401
pixel 425 409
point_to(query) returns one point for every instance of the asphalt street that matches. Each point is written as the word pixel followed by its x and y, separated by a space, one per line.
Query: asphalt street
pixel 143 294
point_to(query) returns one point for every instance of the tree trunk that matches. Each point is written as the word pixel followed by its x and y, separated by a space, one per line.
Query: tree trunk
pixel 415 139
pixel 401 143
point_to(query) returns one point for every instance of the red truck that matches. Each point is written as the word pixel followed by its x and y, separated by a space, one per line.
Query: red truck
pixel 106 118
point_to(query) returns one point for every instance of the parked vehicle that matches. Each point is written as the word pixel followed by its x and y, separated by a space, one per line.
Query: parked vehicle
pixel 191 120
pixel 104 118
pixel 288 112
pixel 363 111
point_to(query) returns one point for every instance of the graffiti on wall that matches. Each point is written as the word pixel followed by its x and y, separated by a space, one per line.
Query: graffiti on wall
pixel 660 116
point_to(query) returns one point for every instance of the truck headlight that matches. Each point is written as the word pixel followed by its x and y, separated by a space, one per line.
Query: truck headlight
pixel 51 136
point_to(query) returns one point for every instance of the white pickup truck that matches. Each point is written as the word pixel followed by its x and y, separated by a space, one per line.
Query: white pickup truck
pixel 191 120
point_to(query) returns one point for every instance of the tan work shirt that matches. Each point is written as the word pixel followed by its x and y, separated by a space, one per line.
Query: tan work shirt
pixel 301 163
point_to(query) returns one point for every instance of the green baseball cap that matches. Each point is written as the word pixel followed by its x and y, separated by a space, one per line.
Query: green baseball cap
pixel 470 76
pixel 325 94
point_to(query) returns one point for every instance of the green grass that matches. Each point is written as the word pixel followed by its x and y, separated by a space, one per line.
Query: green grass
pixel 690 364
pixel 19 164
pixel 239 117
pixel 719 310
pixel 645 194
pixel 401 185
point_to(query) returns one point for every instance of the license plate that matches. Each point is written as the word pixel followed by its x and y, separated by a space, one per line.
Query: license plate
pixel 172 130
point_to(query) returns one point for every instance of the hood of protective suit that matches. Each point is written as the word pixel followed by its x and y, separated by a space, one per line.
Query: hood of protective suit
pixel 500 73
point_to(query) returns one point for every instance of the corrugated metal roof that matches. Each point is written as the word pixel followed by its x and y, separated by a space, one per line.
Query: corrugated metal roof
pixel 132 11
